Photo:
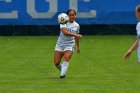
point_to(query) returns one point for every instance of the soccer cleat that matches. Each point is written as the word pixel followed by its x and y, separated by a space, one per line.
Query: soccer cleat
pixel 62 77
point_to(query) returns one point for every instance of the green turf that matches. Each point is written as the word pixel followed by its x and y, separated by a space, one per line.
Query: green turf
pixel 26 66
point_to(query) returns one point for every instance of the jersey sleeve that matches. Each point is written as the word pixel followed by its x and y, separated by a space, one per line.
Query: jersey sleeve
pixel 138 30
pixel 63 26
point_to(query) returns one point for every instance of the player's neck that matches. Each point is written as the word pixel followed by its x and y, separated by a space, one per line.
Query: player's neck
pixel 71 21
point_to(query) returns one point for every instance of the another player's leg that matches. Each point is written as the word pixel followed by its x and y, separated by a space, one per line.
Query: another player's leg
pixel 57 59
pixel 67 55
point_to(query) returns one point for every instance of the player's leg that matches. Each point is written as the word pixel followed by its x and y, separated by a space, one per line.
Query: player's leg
pixel 57 59
pixel 67 55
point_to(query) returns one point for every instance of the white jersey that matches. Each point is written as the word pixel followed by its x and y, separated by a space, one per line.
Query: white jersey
pixel 64 40
pixel 138 35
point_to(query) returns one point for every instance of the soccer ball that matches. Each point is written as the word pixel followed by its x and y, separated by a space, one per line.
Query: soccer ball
pixel 63 18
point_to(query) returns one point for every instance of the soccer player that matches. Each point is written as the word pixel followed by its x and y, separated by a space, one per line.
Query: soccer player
pixel 137 42
pixel 66 42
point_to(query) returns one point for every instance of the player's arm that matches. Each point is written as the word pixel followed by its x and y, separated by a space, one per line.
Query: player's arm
pixel 67 33
pixel 77 41
pixel 132 48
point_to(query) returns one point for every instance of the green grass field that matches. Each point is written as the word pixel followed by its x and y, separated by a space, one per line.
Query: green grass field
pixel 26 66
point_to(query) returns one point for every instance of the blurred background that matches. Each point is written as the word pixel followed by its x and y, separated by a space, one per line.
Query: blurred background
pixel 39 17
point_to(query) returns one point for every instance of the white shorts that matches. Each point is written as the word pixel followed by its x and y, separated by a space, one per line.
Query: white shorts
pixel 64 48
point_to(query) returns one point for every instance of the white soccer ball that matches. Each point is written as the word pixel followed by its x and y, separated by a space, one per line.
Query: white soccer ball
pixel 63 18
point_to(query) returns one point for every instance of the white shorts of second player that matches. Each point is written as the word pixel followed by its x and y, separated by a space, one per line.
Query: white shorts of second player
pixel 64 48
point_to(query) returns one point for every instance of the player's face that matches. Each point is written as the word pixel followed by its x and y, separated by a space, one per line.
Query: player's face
pixel 138 15
pixel 71 16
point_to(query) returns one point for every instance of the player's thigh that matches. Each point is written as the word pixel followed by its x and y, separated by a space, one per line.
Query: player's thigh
pixel 57 57
pixel 67 55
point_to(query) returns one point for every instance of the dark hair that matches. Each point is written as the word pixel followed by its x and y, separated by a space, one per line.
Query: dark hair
pixel 71 10
pixel 138 8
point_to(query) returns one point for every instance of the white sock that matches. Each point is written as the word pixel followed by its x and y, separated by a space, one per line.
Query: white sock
pixel 64 68
pixel 59 67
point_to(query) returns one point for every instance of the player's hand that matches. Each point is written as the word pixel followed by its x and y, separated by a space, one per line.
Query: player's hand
pixel 78 36
pixel 127 54
pixel 78 50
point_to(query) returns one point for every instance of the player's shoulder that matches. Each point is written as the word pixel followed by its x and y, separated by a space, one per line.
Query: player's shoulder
pixel 138 24
pixel 76 24
pixel 63 25
pixel 138 27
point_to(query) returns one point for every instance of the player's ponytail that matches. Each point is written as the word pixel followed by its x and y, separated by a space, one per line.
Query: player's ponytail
pixel 138 8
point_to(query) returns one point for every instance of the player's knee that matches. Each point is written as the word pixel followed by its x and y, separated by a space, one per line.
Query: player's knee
pixel 66 58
